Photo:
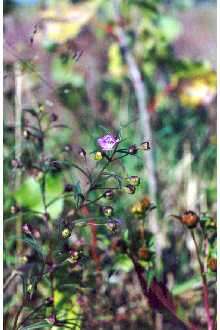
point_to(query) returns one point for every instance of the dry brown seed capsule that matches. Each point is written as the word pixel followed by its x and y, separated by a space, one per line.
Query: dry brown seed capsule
pixel 143 253
pixel 190 219
pixel 212 264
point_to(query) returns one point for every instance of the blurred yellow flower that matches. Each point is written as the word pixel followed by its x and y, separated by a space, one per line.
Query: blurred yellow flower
pixel 198 91
pixel 140 207
pixel 64 21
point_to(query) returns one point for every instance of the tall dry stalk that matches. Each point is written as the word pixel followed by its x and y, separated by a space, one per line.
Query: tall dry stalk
pixel 18 139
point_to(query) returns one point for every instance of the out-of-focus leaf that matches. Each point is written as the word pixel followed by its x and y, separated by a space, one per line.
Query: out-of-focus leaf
pixel 170 27
pixel 191 284
pixel 29 195
pixel 123 262
pixel 37 325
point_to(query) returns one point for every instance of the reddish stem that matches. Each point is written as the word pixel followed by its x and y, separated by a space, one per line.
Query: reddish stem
pixel 205 286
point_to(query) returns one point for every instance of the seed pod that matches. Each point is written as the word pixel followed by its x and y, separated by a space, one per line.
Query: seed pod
pixel 130 189
pixel 107 211
pixel 132 150
pixel 133 180
pixel 66 233
pixel 143 253
pixel 98 155
pixel 212 264
pixel 145 146
pixel 190 219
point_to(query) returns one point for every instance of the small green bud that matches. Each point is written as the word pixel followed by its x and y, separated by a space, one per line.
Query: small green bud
pixel 98 155
pixel 66 233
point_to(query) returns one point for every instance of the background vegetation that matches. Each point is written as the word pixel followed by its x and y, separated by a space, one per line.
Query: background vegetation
pixel 119 239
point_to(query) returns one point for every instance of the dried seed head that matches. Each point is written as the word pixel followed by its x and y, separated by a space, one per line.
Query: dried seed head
pixel 143 253
pixel 190 219
pixel 212 264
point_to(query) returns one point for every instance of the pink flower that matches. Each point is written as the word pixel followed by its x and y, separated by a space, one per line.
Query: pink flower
pixel 107 142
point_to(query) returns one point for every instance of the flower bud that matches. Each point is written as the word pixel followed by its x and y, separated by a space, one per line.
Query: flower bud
pixel 82 153
pixel 51 319
pixel 66 233
pixel 49 301
pixel 74 256
pixel 53 117
pixel 145 146
pixel 190 219
pixel 212 264
pixel 26 229
pixel 68 187
pixel 108 194
pixel 130 189
pixel 67 148
pixel 26 134
pixel 133 180
pixel 143 253
pixel 132 150
pixel 15 209
pixel 107 211
pixel 113 226
pixel 16 163
pixel 98 155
